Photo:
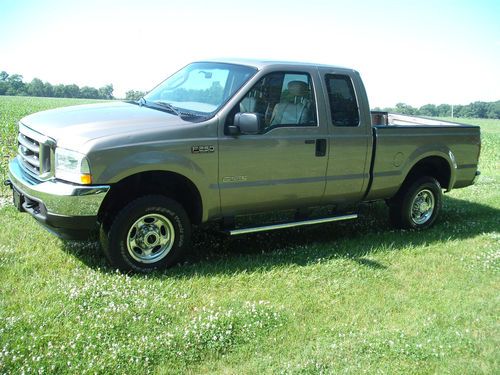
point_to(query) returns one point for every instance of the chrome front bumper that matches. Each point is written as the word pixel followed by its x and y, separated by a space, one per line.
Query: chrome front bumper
pixel 59 198
pixel 67 210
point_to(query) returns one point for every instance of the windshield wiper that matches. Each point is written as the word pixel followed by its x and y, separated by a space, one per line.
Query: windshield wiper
pixel 170 107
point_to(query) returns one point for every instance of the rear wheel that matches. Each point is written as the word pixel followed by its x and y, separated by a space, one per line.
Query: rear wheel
pixel 417 205
pixel 151 232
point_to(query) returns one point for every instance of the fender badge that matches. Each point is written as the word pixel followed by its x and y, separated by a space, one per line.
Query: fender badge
pixel 202 149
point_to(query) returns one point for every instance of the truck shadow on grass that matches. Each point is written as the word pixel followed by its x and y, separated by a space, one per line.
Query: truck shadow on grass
pixel 213 253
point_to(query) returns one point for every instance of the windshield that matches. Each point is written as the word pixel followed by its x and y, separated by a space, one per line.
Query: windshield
pixel 201 87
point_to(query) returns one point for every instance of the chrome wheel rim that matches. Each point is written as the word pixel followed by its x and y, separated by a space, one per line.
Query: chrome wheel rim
pixel 422 206
pixel 150 238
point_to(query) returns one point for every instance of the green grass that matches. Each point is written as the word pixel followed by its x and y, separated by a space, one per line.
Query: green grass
pixel 355 297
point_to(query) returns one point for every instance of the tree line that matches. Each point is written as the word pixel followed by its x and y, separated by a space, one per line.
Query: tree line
pixel 475 110
pixel 13 84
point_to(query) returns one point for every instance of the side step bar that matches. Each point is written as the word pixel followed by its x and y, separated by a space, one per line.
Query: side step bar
pixel 235 232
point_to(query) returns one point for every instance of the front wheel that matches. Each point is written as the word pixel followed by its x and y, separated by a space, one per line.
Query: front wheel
pixel 151 232
pixel 417 205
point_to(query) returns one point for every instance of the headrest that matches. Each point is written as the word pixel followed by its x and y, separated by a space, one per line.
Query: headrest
pixel 298 88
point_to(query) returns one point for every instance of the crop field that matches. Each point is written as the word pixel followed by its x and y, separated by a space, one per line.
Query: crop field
pixel 354 297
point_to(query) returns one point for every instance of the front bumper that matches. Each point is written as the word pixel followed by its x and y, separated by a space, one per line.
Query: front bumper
pixel 67 210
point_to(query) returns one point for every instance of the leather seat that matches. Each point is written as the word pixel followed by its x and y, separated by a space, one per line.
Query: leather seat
pixel 248 104
pixel 297 111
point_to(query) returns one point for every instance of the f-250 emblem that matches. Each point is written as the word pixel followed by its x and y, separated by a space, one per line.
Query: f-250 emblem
pixel 202 149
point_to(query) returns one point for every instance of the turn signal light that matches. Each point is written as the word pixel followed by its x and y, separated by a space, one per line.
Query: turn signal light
pixel 86 179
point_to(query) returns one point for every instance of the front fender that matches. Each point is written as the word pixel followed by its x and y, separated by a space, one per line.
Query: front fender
pixel 201 169
pixel 150 161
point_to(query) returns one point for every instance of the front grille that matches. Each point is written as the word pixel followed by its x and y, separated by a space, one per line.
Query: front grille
pixel 35 153
pixel 29 151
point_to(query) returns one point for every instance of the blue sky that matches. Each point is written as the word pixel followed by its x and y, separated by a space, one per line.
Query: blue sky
pixel 416 52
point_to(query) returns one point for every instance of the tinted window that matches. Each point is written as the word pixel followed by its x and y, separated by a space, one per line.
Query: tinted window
pixel 343 104
pixel 281 99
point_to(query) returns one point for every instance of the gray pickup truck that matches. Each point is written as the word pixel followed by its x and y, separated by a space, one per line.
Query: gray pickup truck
pixel 220 141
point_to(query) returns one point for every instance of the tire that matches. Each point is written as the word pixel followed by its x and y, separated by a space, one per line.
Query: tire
pixel 152 232
pixel 417 205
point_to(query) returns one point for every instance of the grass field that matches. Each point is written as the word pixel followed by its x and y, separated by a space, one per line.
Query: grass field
pixel 354 297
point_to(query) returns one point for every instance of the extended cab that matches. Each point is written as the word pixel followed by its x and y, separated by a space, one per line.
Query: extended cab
pixel 221 140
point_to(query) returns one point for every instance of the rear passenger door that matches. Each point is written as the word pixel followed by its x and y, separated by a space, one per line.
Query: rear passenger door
pixel 284 165
pixel 350 137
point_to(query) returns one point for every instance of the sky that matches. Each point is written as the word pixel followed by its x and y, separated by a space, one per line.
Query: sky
pixel 416 52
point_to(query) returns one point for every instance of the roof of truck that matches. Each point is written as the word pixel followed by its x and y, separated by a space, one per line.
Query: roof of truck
pixel 262 63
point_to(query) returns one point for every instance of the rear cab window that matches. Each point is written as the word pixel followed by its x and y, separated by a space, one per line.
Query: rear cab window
pixel 342 100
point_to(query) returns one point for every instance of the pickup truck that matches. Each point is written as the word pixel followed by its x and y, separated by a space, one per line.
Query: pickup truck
pixel 220 141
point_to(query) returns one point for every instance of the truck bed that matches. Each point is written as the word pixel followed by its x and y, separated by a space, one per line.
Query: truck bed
pixel 406 140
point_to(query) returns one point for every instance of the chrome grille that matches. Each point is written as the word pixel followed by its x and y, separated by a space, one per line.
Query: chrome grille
pixel 35 152
pixel 29 151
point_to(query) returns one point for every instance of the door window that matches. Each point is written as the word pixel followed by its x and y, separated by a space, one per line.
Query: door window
pixel 281 100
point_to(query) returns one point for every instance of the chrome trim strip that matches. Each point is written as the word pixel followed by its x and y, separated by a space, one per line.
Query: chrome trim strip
pixel 235 232
pixel 32 159
pixel 26 143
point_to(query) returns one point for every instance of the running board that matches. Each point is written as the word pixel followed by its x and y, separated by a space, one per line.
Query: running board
pixel 235 232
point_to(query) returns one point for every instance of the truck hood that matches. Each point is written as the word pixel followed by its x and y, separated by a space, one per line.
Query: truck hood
pixel 77 125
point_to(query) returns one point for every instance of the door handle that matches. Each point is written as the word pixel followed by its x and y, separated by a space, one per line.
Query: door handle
pixel 320 147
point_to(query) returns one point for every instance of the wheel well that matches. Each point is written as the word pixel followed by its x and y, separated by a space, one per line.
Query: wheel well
pixel 433 166
pixel 170 184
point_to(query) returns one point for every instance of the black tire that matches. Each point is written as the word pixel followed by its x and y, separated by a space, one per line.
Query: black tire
pixel 150 233
pixel 417 205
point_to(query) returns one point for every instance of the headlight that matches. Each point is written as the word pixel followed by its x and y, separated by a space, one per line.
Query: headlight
pixel 72 166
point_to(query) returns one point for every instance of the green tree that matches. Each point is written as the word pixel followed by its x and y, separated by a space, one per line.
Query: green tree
pixel 59 91
pixel 478 109
pixel 459 111
pixel 48 89
pixel 3 75
pixel 106 92
pixel 71 91
pixel 428 110
pixel 4 86
pixel 134 95
pixel 89 92
pixel 16 84
pixel 494 110
pixel 36 87
pixel 405 109
pixel 443 110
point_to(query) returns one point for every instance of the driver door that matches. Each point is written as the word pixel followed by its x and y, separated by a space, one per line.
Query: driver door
pixel 284 165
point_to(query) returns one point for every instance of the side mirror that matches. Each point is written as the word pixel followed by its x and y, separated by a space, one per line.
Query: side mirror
pixel 247 123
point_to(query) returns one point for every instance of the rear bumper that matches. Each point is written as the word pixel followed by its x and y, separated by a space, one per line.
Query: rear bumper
pixel 65 209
